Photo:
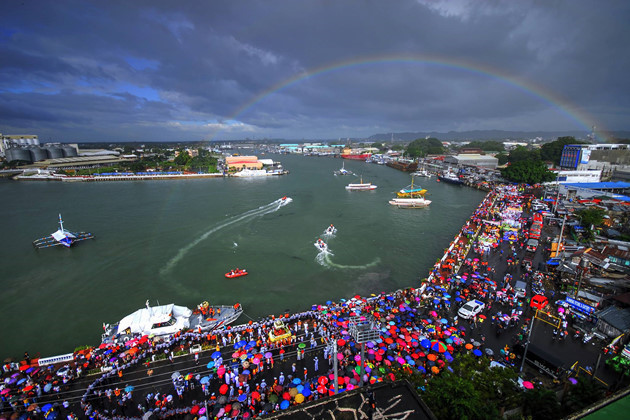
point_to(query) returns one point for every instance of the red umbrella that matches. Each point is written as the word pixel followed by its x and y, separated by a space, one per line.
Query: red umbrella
pixel 223 389
pixel 322 380
pixel 255 395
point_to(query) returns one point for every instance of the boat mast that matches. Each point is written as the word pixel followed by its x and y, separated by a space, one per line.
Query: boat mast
pixel 60 223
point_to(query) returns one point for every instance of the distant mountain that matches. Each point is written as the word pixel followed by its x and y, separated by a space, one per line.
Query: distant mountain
pixel 491 135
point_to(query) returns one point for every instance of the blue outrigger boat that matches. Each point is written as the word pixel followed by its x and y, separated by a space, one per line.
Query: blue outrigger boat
pixel 61 237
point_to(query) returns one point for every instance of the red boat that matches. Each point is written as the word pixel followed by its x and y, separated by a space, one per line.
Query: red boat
pixel 236 273
pixel 361 156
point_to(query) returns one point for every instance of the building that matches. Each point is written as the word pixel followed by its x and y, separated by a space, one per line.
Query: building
pixel 613 321
pixel 242 162
pixel 483 161
pixel 579 176
pixel 17 140
pixel 604 157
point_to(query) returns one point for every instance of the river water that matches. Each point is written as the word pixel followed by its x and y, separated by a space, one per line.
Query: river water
pixel 172 241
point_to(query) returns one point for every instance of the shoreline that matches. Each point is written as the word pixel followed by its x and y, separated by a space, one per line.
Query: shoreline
pixel 87 178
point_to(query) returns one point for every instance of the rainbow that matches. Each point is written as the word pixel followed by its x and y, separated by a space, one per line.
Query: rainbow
pixel 566 108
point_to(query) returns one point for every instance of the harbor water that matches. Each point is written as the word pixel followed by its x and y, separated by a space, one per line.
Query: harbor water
pixel 172 241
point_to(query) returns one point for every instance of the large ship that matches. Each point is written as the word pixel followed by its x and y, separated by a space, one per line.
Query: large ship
pixel 355 154
pixel 169 319
pixel 403 165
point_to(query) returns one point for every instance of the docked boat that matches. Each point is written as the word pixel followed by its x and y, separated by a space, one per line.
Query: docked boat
pixel 423 173
pixel 236 273
pixel 361 186
pixel 250 173
pixel 279 332
pixel 62 237
pixel 450 177
pixel 321 245
pixel 355 154
pixel 169 319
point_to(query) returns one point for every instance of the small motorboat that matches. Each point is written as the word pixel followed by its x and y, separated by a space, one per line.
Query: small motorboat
pixel 330 230
pixel 236 273
pixel 321 245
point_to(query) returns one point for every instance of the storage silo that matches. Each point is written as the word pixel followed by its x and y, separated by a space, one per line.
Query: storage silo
pixel 54 152
pixel 38 154
pixel 69 151
pixel 18 153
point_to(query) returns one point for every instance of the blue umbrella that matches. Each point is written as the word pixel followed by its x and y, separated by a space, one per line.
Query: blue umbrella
pixel 204 380
pixel 47 387
pixel 296 381
pixel 210 364
pixel 477 352
pixel 216 354
pixel 285 404
pixel 425 343
pixel 240 344
pixel 306 392
pixel 128 388
pixel 443 321
pixel 46 408
pixel 246 372
pixel 242 397
pixel 300 388
pixel 422 369
pixel 436 300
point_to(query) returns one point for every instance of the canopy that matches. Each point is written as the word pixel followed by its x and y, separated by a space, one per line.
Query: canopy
pixel 143 320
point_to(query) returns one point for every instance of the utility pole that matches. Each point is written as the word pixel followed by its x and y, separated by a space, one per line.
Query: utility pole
pixel 529 335
pixel 335 366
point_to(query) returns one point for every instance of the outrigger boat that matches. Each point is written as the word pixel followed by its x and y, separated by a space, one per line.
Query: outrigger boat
pixel 279 332
pixel 410 197
pixel 62 237
pixel 169 319
pixel 343 170
pixel 236 273
pixel 411 191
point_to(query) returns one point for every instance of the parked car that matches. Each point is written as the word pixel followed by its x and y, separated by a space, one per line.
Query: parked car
pixel 471 308
pixel 532 245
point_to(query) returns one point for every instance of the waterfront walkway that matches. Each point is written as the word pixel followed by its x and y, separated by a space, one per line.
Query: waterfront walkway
pixel 241 373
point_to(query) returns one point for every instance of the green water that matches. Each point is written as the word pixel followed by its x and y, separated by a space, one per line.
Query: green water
pixel 172 242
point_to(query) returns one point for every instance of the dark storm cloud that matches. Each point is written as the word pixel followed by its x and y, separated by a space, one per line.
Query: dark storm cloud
pixel 161 70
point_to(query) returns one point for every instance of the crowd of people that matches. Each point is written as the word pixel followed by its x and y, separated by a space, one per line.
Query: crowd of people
pixel 245 371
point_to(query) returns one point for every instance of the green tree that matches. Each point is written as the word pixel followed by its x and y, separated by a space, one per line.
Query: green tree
pixel 453 397
pixel 582 394
pixel 521 153
pixel 502 157
pixel 528 172
pixel 423 147
pixel 552 151
pixel 591 217
pixel 182 158
pixel 379 146
pixel 541 403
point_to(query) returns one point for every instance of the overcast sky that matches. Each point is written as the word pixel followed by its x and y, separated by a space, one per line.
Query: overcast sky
pixel 190 70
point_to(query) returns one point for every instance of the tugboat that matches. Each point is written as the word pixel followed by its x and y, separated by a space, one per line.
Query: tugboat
pixel 61 237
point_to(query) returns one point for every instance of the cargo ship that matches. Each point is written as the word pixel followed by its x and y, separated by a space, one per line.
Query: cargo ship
pixel 403 165
pixel 355 154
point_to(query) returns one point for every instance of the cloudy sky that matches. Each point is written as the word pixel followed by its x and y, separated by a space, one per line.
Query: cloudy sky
pixel 297 69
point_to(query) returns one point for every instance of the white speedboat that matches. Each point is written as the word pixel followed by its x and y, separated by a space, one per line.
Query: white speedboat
pixel 330 230
pixel 410 203
pixel 321 245
pixel 361 186
pixel 169 319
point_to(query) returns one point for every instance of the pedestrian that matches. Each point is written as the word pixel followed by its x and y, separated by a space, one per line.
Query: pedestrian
pixel 316 361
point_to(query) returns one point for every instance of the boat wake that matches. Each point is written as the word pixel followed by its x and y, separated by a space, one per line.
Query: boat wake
pixel 324 259
pixel 248 215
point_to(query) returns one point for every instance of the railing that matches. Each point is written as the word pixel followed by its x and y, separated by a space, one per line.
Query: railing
pixel 56 359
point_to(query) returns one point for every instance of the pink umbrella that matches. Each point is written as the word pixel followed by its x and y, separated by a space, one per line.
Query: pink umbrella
pixel 528 385
pixel 221 370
